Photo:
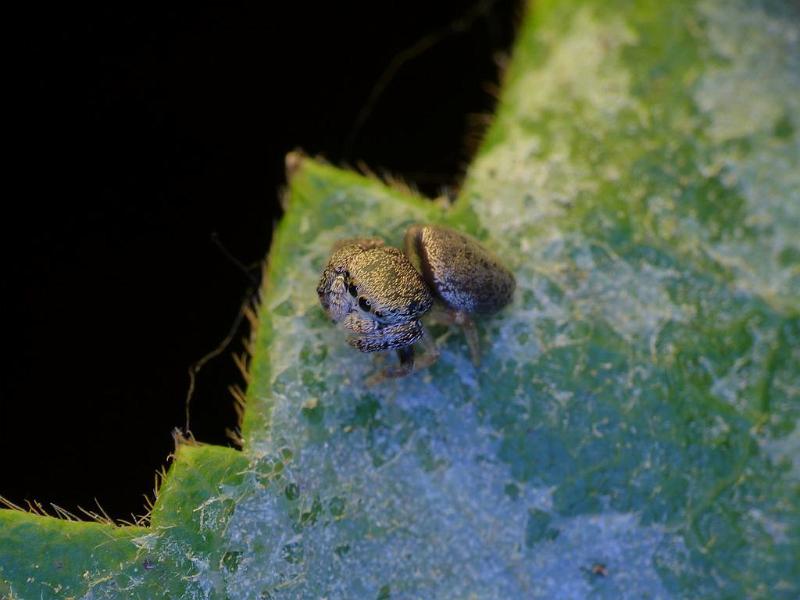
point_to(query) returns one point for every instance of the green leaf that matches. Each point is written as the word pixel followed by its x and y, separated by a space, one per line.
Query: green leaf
pixel 632 431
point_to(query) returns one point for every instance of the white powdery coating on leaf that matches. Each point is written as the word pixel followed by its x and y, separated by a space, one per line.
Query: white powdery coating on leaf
pixel 632 299
pixel 616 542
pixel 522 181
pixel 758 81
pixel 754 93
pixel 443 531
pixel 785 449
pixel 584 67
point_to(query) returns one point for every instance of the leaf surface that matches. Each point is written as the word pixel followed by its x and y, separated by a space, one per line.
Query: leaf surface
pixel 632 430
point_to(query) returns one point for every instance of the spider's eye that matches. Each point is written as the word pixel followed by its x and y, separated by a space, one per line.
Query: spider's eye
pixel 379 314
pixel 363 303
pixel 352 289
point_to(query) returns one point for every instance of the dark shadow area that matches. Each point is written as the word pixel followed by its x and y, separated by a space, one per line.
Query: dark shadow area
pixel 140 133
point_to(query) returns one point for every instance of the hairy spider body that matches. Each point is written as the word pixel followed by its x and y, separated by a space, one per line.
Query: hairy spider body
pixel 379 294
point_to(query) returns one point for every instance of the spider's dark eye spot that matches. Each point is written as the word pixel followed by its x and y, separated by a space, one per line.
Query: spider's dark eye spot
pixel 379 314
pixel 352 289
pixel 412 308
pixel 363 303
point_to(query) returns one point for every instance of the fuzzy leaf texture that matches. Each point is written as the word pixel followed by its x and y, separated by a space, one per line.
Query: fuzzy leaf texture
pixel 632 431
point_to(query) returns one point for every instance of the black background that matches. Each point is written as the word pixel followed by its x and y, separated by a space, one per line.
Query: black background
pixel 138 136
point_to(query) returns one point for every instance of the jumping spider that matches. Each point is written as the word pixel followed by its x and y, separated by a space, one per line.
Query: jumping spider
pixel 379 293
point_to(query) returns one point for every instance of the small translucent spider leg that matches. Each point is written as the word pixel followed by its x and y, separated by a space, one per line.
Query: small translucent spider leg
pixel 400 337
pixel 467 324
pixel 471 333
pixel 431 354
pixel 409 360
pixel 406 366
